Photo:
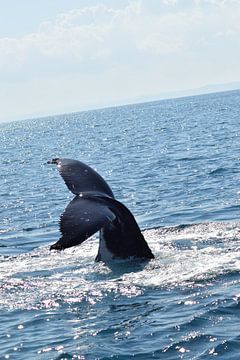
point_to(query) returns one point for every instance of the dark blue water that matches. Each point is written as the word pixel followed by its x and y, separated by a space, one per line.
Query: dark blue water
pixel 176 165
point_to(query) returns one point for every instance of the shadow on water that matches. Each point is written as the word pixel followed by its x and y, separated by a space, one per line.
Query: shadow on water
pixel 121 267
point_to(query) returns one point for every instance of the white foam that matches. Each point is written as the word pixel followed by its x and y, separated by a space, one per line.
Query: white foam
pixel 182 255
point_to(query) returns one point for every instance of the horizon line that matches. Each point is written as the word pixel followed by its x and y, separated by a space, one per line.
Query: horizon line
pixel 97 108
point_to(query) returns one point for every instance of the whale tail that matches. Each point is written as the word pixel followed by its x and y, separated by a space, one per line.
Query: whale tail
pixel 120 234
pixel 94 208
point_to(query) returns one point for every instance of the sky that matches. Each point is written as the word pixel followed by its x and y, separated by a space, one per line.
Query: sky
pixel 59 56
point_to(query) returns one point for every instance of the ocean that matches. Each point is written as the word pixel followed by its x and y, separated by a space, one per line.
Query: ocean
pixel 176 165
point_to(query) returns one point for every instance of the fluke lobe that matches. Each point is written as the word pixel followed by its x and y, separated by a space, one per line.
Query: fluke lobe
pixel 93 209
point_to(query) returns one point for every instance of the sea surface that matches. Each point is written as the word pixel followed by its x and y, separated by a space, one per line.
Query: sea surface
pixel 176 165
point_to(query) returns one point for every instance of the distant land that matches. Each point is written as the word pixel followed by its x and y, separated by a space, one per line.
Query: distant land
pixel 208 89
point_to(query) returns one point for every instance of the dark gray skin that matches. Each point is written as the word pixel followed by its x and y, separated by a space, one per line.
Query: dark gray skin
pixel 95 209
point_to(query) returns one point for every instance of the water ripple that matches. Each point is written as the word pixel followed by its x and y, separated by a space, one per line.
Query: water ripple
pixel 175 164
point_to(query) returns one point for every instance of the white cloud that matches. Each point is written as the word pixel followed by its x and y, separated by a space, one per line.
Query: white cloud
pixel 98 32
pixel 148 46
pixel 78 34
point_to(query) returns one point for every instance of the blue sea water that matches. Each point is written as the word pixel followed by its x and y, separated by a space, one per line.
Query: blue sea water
pixel 176 165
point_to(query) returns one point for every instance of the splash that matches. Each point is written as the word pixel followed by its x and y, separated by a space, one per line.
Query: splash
pixel 190 254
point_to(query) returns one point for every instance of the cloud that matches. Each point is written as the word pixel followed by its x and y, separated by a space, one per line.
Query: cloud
pixel 79 36
pixel 92 36
pixel 108 54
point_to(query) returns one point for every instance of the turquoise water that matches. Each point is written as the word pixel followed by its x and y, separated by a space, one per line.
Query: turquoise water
pixel 175 164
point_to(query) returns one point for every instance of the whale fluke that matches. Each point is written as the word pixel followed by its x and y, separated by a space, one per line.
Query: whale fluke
pixel 81 178
pixel 83 217
pixel 93 209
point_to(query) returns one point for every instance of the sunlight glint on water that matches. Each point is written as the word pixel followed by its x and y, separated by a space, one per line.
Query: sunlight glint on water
pixel 175 164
